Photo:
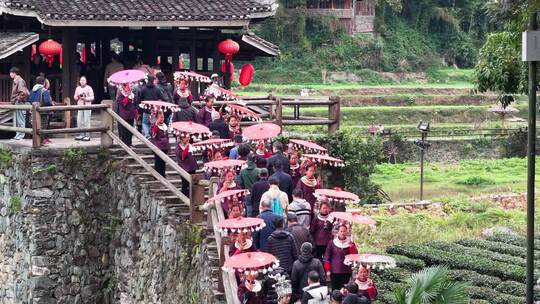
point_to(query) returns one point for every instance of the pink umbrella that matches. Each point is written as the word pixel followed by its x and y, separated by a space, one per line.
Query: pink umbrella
pixel 251 262
pixel 184 128
pixel 370 261
pixel 191 76
pixel 337 195
pixel 213 143
pixel 348 218
pixel 307 146
pixel 262 131
pixel 241 224
pixel 228 195
pixel 243 112
pixel 158 105
pixel 324 159
pixel 218 91
pixel 126 76
pixel 219 166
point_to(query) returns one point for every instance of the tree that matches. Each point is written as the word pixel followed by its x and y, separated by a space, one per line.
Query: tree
pixel 432 286
pixel 499 67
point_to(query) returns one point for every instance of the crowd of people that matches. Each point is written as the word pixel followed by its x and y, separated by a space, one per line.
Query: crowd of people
pixel 298 231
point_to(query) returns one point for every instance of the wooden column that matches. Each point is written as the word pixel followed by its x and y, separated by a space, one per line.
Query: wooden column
pixel 97 41
pixel 175 49
pixel 106 121
pixel 69 68
pixel 197 198
pixel 149 46
pixel 215 54
pixel 334 115
pixel 25 72
pixel 193 61
pixel 205 57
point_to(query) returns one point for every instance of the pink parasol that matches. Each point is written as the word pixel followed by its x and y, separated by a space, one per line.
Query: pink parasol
pixel 243 112
pixel 370 261
pixel 191 76
pixel 184 128
pixel 324 159
pixel 158 105
pixel 219 165
pixel 348 218
pixel 227 195
pixel 126 76
pixel 241 224
pixel 307 146
pixel 213 143
pixel 261 131
pixel 218 91
pixel 336 195
pixel 251 262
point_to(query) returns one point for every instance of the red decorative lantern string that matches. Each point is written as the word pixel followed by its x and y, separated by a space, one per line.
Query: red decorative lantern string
pixel 50 48
pixel 229 48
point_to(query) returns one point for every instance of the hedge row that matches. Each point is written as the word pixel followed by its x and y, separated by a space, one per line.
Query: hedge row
pixel 394 274
pixel 474 278
pixel 516 289
pixel 513 239
pixel 408 263
pixel 498 247
pixel 493 297
pixel 457 248
pixel 461 261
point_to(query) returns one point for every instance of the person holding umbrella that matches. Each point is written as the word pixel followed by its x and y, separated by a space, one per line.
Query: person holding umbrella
pixel 127 109
pixel 366 286
pixel 182 91
pixel 338 273
pixel 234 126
pixel 185 159
pixel 204 117
pixel 321 230
pixel 308 184
pixel 160 139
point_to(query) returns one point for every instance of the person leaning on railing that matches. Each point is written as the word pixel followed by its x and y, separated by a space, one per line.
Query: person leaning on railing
pixel 41 95
pixel 84 95
pixel 19 94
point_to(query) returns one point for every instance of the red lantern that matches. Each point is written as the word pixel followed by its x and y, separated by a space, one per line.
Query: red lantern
pixel 228 46
pixel 231 69
pixel 246 74
pixel 50 48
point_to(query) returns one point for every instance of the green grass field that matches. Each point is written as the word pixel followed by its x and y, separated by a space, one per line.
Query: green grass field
pixel 469 178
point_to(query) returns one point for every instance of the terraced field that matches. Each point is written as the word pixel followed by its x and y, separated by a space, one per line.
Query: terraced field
pixel 494 268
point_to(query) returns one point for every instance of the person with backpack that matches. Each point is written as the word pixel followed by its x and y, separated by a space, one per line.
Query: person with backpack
pixel 84 95
pixel 277 198
pixel 314 293
pixel 281 244
pixel 41 95
pixel 304 265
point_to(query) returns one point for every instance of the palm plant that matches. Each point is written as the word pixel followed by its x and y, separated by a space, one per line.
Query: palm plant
pixel 432 286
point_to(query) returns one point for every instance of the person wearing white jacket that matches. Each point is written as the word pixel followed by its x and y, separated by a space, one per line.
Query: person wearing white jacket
pixel 315 293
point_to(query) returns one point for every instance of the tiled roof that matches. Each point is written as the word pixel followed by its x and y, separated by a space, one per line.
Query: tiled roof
pixel 11 42
pixel 261 44
pixel 142 10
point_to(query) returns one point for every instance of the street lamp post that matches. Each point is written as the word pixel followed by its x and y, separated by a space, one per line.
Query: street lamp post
pixel 423 144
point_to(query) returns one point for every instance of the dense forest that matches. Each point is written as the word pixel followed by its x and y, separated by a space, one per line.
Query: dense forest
pixel 409 36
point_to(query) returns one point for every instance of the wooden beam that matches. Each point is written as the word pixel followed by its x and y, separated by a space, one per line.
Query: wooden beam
pixel 193 60
pixel 216 65
pixel 175 49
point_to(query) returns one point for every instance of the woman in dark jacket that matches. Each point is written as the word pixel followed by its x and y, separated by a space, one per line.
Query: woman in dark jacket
pixel 187 112
pixel 321 230
pixel 186 160
pixel 127 109
pixel 160 139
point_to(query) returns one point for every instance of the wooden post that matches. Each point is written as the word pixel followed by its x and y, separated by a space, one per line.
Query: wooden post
pixel 175 49
pixel 68 69
pixel 106 121
pixel 334 114
pixel 36 126
pixel 197 198
pixel 193 61
pixel 216 64
pixel 279 112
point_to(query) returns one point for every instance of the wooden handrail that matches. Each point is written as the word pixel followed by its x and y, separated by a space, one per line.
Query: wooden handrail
pixel 150 145
pixel 74 108
pixel 148 168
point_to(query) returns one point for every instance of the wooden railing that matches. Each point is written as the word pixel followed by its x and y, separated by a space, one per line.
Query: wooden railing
pixel 108 117
pixel 227 280
pixel 273 110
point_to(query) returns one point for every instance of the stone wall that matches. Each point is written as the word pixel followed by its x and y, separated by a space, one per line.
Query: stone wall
pixel 80 229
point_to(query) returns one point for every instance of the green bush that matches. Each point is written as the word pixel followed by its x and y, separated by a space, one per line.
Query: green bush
pixel 457 248
pixel 498 247
pixel 475 181
pixel 512 239
pixel 394 274
pixel 408 263
pixel 516 144
pixel 461 261
pixel 474 278
pixel 493 297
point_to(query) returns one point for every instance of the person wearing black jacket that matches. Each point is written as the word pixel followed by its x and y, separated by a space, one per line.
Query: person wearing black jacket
pixel 259 187
pixel 149 92
pixel 219 124
pixel 281 244
pixel 167 88
pixel 301 267
pixel 285 180
pixel 278 155
pixel 187 112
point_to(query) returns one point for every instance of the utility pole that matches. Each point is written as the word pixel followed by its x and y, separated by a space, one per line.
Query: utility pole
pixel 422 152
pixel 531 53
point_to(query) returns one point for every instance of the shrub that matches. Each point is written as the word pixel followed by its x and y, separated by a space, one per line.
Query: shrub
pixel 457 248
pixel 493 297
pixel 16 204
pixel 73 155
pixel 498 247
pixel 512 239
pixel 408 263
pixel 461 261
pixel 516 144
pixel 474 278
pixel 475 181
pixel 394 274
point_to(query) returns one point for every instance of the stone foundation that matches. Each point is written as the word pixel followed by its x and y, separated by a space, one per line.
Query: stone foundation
pixel 80 229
